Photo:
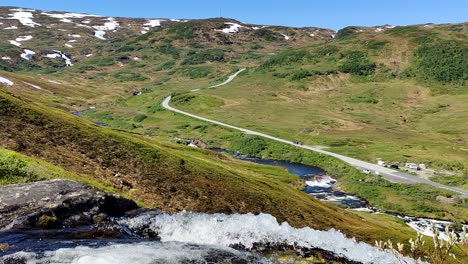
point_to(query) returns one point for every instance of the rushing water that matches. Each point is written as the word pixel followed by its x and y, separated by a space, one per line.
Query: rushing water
pixel 321 186
pixel 318 183
pixel 185 238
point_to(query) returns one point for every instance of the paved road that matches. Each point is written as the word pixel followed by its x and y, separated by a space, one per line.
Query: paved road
pixel 387 173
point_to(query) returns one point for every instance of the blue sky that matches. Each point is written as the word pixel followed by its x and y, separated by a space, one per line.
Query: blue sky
pixel 333 14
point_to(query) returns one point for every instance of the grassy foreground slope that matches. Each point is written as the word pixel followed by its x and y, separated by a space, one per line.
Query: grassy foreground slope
pixel 169 176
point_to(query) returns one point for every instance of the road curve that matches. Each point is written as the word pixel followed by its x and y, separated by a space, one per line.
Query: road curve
pixel 389 174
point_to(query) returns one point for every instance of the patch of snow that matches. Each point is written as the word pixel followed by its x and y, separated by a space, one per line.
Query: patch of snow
pixel 66 16
pixel 285 36
pixel 233 28
pixel 74 35
pixel 12 27
pixel 33 86
pixel 86 21
pixel 24 18
pixel 52 81
pixel 23 38
pixel 68 45
pixel 389 26
pixel 192 145
pixel 6 81
pixel 13 42
pixel 53 56
pixel 429 26
pixel 153 23
pixel 72 40
pixel 249 229
pixel 100 34
pixel 6 58
pixel 333 36
pixel 89 55
pixel 312 34
pixel 379 29
pixel 27 55
pixel 61 29
pixel 59 54
pixel 255 28
pixel 136 58
pixel 179 20
pixel 195 90
pixel 143 32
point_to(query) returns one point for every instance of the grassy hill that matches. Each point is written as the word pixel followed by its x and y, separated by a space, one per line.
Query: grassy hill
pixel 160 174
pixel 368 92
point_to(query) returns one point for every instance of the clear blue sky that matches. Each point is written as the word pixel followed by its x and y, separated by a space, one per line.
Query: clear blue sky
pixel 333 14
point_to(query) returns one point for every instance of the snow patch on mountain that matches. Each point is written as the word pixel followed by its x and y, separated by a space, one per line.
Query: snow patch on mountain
pixel 6 58
pixel 23 17
pixel 154 23
pixel 111 24
pixel 27 54
pixel 23 38
pixel 286 37
pixel 14 42
pixel 12 27
pixel 233 28
pixel 60 54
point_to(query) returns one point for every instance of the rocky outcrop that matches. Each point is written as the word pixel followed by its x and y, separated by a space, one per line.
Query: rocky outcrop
pixel 57 203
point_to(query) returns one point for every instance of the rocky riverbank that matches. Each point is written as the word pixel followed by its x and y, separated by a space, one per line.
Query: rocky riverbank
pixel 57 203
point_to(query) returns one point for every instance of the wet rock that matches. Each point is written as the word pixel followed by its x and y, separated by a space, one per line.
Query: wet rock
pixel 57 203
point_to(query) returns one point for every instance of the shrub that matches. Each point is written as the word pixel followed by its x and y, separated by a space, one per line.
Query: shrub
pixel 286 58
pixel 183 30
pixel 248 145
pixel 139 117
pixel 196 72
pixel 194 57
pixel 357 62
pixel 129 77
pixel 444 61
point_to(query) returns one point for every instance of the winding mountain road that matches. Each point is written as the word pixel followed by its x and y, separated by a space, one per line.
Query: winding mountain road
pixel 387 173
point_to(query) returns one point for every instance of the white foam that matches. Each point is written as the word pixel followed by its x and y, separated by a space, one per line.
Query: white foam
pixel 24 17
pixel 60 54
pixel 27 54
pixel 233 28
pixel 249 229
pixel 6 81
pixel 323 182
pixel 141 253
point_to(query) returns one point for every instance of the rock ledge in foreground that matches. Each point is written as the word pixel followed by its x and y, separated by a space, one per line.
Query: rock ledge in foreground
pixel 56 203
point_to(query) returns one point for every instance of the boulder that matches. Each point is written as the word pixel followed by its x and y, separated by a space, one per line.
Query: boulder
pixel 57 203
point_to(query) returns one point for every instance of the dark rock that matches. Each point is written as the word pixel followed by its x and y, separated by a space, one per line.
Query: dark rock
pixel 57 203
